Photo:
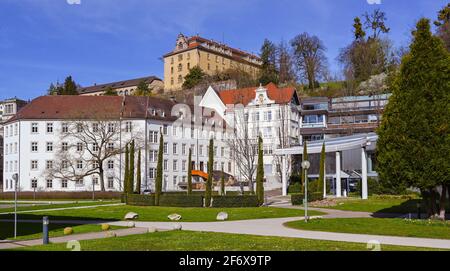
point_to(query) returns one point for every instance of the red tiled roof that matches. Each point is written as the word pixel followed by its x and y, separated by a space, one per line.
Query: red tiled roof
pixel 94 107
pixel 246 95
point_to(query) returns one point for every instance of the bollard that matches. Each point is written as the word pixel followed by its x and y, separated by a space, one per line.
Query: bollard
pixel 45 222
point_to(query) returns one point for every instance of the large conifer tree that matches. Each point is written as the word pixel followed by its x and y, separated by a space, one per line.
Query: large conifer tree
pixel 138 173
pixel 210 174
pixel 159 170
pixel 189 177
pixel 260 174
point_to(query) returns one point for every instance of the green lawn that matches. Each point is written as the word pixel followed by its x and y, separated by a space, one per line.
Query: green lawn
pixel 379 204
pixel 27 231
pixel 31 207
pixel 378 226
pixel 207 241
pixel 152 213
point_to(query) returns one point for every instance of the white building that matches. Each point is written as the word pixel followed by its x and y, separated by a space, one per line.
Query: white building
pixel 41 133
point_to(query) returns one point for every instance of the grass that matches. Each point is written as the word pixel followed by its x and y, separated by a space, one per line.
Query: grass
pixel 378 226
pixel 28 231
pixel 31 207
pixel 207 241
pixel 153 213
pixel 381 204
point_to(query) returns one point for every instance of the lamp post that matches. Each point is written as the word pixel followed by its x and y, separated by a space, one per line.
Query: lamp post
pixel 45 222
pixel 16 179
pixel 305 166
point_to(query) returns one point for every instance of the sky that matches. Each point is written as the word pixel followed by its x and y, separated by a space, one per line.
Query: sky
pixel 100 41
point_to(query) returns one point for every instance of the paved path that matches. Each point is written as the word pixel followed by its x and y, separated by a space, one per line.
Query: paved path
pixel 275 227
pixel 77 237
pixel 66 208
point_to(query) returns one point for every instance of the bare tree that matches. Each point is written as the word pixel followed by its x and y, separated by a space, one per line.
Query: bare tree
pixel 285 64
pixel 87 145
pixel 309 57
pixel 376 22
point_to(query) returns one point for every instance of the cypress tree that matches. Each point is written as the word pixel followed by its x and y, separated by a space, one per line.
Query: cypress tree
pixel 304 158
pixel 321 184
pixel 189 177
pixel 127 173
pixel 159 170
pixel 138 174
pixel 222 184
pixel 413 148
pixel 131 173
pixel 260 174
pixel 210 174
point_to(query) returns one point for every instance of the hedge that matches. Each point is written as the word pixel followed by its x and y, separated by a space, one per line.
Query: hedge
pixel 61 195
pixel 235 201
pixel 297 199
pixel 165 200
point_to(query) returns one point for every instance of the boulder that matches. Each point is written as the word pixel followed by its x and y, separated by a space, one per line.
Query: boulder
pixel 222 216
pixel 130 224
pixel 68 231
pixel 105 227
pixel 177 227
pixel 174 217
pixel 131 216
pixel 152 229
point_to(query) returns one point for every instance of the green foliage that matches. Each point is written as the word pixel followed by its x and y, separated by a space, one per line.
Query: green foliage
pixel 142 89
pixel 359 32
pixel 194 77
pixel 110 92
pixel 131 168
pixel 268 71
pixel 68 88
pixel 297 199
pixel 321 180
pixel 138 174
pixel 159 170
pixel 260 173
pixel 168 200
pixel 443 25
pixel 208 187
pixel 189 177
pixel 295 188
pixel 235 201
pixel 374 187
pixel 140 200
pixel 414 144
pixel 127 171
pixel 222 184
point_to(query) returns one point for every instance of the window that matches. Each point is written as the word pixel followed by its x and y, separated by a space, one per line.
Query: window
pixel 79 182
pixel 34 146
pixel 180 57
pixel 111 127
pixel 65 128
pixel 95 180
pixel 209 67
pixel 171 81
pixel 171 70
pixel 152 173
pixel 215 151
pixel 34 165
pixel 175 164
pixel 175 179
pixel 64 146
pixel 111 146
pixel 153 137
pixel 34 128
pixel 64 183
pixel 110 164
pixel 95 164
pixel 180 79
pixel 189 66
pixel 200 150
pixel 268 116
pixel 183 149
pixel 50 127
pixel 165 129
pixel 192 132
pixel 49 183
pixel 153 155
pixel 215 166
pixel 33 183
pixel 180 67
pixel 222 151
pixel 49 146
pixel 49 164
pixel 174 148
pixel 64 164
pixel 79 146
pixel 95 147
pixel 128 126
pixel 165 165
pixel 166 148
pixel 80 128
pixel 79 164
pixel 222 166
pixel 229 166
pixel 183 165
pixel 110 182
pixel 95 127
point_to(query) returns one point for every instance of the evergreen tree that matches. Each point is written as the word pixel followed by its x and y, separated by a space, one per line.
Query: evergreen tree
pixel 414 143
pixel 70 87
pixel 127 171
pixel 304 158
pixel 260 174
pixel 359 32
pixel 159 170
pixel 210 174
pixel 321 184
pixel 443 25
pixel 269 71
pixel 222 184
pixel 189 177
pixel 194 77
pixel 142 89
pixel 131 177
pixel 138 174
pixel 110 92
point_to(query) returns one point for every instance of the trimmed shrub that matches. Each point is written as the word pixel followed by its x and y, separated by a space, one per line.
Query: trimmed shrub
pixel 68 231
pixel 235 201
pixel 297 199
pixel 140 200
pixel 181 200
pixel 105 227
pixel 294 188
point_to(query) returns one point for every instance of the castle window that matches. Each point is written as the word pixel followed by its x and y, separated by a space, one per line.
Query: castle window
pixel 180 79
pixel 189 66
pixel 171 70
pixel 180 57
pixel 180 67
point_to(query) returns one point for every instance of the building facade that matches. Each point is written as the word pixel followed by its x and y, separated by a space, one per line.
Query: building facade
pixel 211 56
pixel 123 88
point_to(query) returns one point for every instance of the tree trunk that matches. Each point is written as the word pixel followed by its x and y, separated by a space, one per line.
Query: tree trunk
pixel 442 202
pixel 102 179
pixel 432 203
pixel 250 186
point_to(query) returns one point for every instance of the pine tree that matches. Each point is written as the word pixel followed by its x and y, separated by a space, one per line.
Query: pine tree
pixel 70 87
pixel 131 177
pixel 189 177
pixel 260 174
pixel 159 170
pixel 110 92
pixel 413 147
pixel 127 172
pixel 194 77
pixel 321 184
pixel 210 174
pixel 138 174
pixel 304 158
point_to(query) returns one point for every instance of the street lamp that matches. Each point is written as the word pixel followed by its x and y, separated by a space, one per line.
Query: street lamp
pixel 305 166
pixel 16 179
pixel 45 223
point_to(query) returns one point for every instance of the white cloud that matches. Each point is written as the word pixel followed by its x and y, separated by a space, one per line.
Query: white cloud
pixel 74 2
pixel 374 2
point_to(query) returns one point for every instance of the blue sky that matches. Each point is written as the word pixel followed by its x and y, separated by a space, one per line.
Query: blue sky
pixel 98 41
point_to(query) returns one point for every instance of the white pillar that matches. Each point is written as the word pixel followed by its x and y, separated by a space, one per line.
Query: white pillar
pixel 364 173
pixel 338 174
pixel 284 175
